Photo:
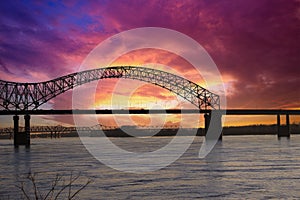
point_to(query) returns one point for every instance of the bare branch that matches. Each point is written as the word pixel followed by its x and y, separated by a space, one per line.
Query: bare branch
pixel 59 185
pixel 70 188
pixel 54 184
pixel 86 184
pixel 23 190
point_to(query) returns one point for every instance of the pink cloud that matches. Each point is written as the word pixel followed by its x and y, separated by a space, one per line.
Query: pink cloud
pixel 255 44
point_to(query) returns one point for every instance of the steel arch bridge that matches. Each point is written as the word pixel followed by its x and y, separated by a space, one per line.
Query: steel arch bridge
pixel 29 96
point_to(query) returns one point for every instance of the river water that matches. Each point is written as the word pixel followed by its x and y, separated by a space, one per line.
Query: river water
pixel 254 167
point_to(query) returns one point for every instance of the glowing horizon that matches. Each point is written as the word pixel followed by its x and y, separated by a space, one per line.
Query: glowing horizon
pixel 255 49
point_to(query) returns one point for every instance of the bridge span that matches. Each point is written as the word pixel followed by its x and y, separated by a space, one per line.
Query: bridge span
pixel 282 130
pixel 30 96
pixel 152 111
pixel 26 98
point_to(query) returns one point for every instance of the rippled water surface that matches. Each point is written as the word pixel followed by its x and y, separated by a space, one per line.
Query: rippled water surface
pixel 240 167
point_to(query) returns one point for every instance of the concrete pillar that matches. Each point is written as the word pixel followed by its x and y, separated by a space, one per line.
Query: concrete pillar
pixel 288 125
pixel 213 123
pixel 27 130
pixel 278 125
pixel 283 130
pixel 218 123
pixel 16 130
pixel 278 120
pixel 206 122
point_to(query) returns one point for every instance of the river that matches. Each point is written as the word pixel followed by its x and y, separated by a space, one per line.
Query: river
pixel 254 167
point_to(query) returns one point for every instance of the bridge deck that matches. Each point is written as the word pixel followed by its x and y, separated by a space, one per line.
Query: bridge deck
pixel 155 111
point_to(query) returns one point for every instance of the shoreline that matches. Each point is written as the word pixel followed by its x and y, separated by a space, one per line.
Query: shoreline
pixel 239 130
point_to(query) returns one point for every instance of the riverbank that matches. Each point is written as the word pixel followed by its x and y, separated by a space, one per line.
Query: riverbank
pixel 134 131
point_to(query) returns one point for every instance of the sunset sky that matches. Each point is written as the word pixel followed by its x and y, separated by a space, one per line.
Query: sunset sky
pixel 255 45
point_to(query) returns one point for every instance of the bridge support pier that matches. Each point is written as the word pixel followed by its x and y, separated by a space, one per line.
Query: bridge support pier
pixel 21 138
pixel 27 130
pixel 54 134
pixel 16 130
pixel 283 130
pixel 206 122
pixel 213 121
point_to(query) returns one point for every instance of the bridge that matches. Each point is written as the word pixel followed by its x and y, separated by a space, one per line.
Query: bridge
pixel 30 96
pixel 25 98
pixel 56 131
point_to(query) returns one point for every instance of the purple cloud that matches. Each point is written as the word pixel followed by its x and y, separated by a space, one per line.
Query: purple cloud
pixel 254 42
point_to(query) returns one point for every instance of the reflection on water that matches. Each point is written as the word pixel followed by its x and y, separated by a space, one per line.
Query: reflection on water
pixel 239 167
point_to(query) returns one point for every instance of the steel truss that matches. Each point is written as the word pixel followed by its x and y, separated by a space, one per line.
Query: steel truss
pixel 29 96
pixel 57 129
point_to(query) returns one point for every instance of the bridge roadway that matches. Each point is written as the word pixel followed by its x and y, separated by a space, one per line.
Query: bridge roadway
pixel 152 111
pixel 23 138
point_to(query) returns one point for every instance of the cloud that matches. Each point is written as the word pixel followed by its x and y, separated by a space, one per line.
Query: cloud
pixel 4 68
pixel 255 44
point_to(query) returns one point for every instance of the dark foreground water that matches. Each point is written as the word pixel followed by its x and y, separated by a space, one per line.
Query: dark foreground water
pixel 254 167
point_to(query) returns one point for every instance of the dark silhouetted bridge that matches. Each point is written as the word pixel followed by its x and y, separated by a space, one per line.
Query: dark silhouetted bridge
pixel 25 98
pixel 29 96
pixel 56 131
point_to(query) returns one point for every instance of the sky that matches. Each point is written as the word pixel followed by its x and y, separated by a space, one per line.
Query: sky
pixel 255 45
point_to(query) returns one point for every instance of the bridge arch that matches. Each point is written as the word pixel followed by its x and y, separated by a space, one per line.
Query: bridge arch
pixel 29 96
